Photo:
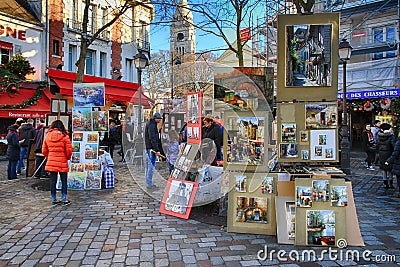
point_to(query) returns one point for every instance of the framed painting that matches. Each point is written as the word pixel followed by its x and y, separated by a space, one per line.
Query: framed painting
pixel 89 94
pixel 58 106
pixel 64 118
pixel 178 198
pixel 193 117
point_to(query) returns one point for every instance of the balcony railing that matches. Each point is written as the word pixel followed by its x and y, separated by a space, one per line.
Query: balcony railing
pixel 143 45
pixel 77 26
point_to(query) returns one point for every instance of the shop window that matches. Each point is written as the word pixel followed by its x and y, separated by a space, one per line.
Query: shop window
pixel 56 47
pixel 5 56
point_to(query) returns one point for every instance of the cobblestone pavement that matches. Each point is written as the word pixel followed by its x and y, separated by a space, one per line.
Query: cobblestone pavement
pixel 123 227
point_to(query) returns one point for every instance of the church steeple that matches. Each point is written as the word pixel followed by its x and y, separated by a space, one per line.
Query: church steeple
pixel 182 35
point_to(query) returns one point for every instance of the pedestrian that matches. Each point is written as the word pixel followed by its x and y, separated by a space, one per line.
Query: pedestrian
pixel 113 138
pixel 386 143
pixel 375 129
pixel 26 132
pixel 40 159
pixel 57 149
pixel 212 131
pixel 394 159
pixel 153 148
pixel 13 151
pixel 369 146
pixel 19 122
pixel 172 149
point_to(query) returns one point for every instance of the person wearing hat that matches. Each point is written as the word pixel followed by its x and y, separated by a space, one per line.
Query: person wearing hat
pixel 153 148
pixel 13 151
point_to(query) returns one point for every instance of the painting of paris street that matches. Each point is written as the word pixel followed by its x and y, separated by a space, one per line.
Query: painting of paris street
pixel 308 62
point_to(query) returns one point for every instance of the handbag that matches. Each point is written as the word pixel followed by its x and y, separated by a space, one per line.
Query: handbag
pixel 108 177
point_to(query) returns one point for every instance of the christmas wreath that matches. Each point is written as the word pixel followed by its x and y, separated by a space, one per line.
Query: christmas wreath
pixel 368 106
pixel 385 103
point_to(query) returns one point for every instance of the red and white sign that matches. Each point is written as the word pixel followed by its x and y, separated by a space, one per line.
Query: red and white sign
pixel 359 34
pixel 245 34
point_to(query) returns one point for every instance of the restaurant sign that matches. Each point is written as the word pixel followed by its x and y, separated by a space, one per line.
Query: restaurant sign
pixel 371 94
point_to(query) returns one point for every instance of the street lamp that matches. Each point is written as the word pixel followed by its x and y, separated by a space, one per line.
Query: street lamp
pixel 141 62
pixel 344 54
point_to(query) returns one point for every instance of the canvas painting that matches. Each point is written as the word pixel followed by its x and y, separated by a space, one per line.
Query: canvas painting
pixel 93 180
pixel 339 196
pixel 240 183
pixel 77 167
pixel 76 157
pixel 76 146
pixel 289 150
pixel 91 151
pixel 95 166
pixel 92 138
pixel 77 136
pixel 89 95
pixel 321 227
pixel 81 119
pixel 304 196
pixel 100 120
pixel 320 190
pixel 267 185
pixel 311 44
pixel 178 198
pixel 322 115
pixel 252 209
pixel 288 133
pixel 304 136
pixel 290 209
pixel 75 181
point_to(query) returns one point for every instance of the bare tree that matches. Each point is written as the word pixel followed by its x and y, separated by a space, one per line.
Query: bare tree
pixel 157 77
pixel 218 16
pixel 87 39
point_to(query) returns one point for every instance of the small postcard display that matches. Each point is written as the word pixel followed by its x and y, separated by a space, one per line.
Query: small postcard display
pixel 193 116
pixel 87 121
pixel 320 211
pixel 178 198
pixel 308 132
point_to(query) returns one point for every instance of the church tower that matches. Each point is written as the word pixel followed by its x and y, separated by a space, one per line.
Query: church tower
pixel 182 35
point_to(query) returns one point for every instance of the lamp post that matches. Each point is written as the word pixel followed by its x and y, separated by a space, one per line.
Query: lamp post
pixel 141 62
pixel 344 54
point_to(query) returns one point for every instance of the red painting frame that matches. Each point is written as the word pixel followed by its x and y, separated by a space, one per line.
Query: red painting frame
pixel 194 111
pixel 167 208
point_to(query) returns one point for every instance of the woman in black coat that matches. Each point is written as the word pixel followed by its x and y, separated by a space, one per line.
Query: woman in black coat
pixel 395 160
pixel 369 146
pixel 386 143
pixel 13 151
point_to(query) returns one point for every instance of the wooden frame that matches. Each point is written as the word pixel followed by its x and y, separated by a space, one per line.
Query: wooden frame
pixel 178 198
pixel 63 105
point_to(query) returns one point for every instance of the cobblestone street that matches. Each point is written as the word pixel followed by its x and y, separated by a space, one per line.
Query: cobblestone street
pixel 123 227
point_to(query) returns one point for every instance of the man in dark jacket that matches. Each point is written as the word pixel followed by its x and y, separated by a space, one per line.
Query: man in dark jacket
pixel 13 151
pixel 153 148
pixel 213 131
pixel 386 143
pixel 26 133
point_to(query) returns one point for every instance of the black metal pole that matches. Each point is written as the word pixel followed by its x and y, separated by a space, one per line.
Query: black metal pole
pixel 140 101
pixel 345 144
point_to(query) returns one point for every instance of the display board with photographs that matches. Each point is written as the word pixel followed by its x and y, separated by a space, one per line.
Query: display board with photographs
pixel 308 133
pixel 309 71
pixel 194 117
pixel 319 221
pixel 89 119
pixel 178 198
pixel 89 95
pixel 245 135
pixel 251 207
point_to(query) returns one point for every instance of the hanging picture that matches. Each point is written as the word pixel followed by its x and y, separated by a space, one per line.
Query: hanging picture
pixel 77 136
pixel 303 196
pixel 323 115
pixel 339 196
pixel 91 151
pixel 76 146
pixel 76 157
pixel 267 185
pixel 323 144
pixel 178 198
pixel 288 150
pixel 320 190
pixel 77 167
pixel 100 120
pixel 252 209
pixel 304 136
pixel 81 119
pixel 89 94
pixel 93 180
pixel 305 154
pixel 241 183
pixel 321 226
pixel 288 133
pixel 64 118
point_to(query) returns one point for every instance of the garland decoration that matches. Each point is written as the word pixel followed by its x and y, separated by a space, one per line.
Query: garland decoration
pixel 385 103
pixel 31 101
pixel 368 106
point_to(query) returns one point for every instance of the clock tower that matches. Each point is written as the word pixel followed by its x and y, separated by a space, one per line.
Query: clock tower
pixel 182 35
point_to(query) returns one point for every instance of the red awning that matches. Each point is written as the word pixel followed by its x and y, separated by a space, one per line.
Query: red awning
pixel 26 91
pixel 115 89
pixel 4 45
